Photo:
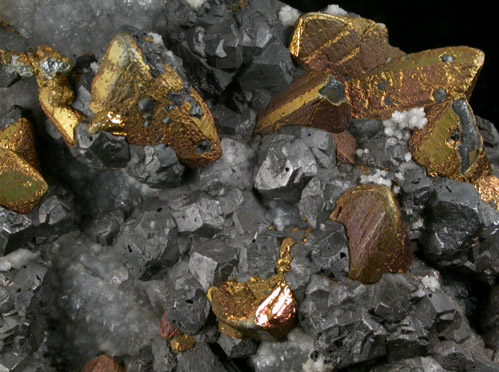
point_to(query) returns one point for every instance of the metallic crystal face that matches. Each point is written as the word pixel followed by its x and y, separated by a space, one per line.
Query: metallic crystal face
pixel 260 309
pixel 450 144
pixel 315 100
pixel 377 238
pixel 346 144
pixel 488 188
pixel 103 363
pixel 344 47
pixel 128 100
pixel 54 91
pixel 181 343
pixel 415 80
pixel 22 185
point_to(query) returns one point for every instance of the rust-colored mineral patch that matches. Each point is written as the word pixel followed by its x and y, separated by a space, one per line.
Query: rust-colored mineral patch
pixel 103 363
pixel 341 46
pixel 166 329
pixel 346 144
pixel 377 237
pixel 315 100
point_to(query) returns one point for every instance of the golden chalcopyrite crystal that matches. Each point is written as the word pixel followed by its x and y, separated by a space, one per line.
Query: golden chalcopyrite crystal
pixel 54 91
pixel 129 100
pixel 260 309
pixel 340 46
pixel 450 144
pixel 22 185
pixel 488 188
pixel 181 343
pixel 377 238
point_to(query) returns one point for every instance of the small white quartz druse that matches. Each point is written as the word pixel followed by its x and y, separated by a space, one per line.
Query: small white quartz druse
pixel 288 15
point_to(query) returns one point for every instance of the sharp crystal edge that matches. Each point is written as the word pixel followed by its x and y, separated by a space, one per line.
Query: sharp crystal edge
pixel 340 237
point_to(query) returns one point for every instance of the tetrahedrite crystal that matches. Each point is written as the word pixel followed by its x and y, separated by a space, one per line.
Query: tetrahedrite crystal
pixel 342 46
pixel 23 187
pixel 378 241
pixel 141 92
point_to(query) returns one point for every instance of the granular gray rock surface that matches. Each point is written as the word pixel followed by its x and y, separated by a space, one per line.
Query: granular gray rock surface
pixel 128 232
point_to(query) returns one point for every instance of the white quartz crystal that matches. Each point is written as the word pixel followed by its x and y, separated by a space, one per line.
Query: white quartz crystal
pixel 288 15
pixel 334 9
pixel 196 4
pixel 402 122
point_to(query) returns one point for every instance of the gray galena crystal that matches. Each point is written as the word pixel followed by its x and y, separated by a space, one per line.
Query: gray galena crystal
pixel 285 164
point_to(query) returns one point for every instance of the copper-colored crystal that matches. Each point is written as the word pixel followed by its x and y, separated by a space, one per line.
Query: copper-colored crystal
pixel 450 145
pixel 22 186
pixel 488 188
pixel 415 80
pixel 166 329
pixel 103 363
pixel 313 100
pixel 181 343
pixel 377 237
pixel 346 144
pixel 260 309
pixel 341 46
pixel 124 80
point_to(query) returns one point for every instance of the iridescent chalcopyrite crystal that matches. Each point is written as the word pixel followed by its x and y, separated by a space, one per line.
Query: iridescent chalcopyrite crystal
pixel 151 103
pixel 377 237
pixel 260 309
pixel 22 186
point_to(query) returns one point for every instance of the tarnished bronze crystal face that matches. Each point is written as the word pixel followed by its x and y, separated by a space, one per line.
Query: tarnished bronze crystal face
pixel 377 238
pixel 415 80
pixel 313 100
pixel 340 46
pixel 260 309
pixel 346 144
pixel 166 329
pixel 129 101
pixel 450 145
pixel 103 363
pixel 54 91
pixel 488 188
pixel 22 186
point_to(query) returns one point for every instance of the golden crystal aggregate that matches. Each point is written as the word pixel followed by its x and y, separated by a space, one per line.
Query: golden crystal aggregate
pixel 344 47
pixel 415 80
pixel 377 238
pixel 22 185
pixel 450 145
pixel 181 343
pixel 124 82
pixel 315 100
pixel 54 91
pixel 488 189
pixel 260 309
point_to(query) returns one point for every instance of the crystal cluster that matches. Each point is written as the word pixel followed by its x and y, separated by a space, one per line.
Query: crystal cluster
pixel 225 185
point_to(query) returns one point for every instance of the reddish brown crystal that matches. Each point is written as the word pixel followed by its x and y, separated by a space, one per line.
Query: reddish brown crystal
pixel 166 329
pixel 103 363
pixel 346 145
pixel 377 238
pixel 315 100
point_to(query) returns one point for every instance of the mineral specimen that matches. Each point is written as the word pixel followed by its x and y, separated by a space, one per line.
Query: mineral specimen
pixel 261 309
pixel 128 239
pixel 22 185
pixel 378 242
pixel 342 46
pixel 141 92
pixel 103 363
